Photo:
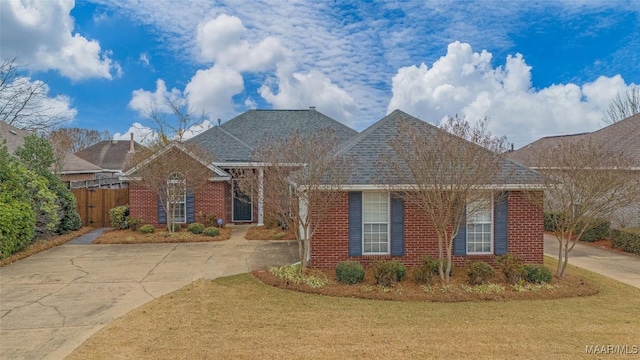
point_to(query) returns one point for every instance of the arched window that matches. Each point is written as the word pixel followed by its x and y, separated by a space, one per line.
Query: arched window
pixel 177 197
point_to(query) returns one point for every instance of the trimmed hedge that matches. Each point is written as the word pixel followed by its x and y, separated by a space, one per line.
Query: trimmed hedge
pixel 118 216
pixel 600 229
pixel 195 228
pixel 349 272
pixel 536 274
pixel 211 231
pixel 627 240
pixel 511 267
pixel 147 229
pixel 17 220
pixel 479 272
pixel 387 272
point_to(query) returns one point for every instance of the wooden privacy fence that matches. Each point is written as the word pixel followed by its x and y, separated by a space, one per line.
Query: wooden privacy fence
pixel 94 204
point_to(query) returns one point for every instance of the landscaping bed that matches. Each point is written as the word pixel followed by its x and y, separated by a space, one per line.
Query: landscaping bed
pixel 264 233
pixel 456 290
pixel 159 236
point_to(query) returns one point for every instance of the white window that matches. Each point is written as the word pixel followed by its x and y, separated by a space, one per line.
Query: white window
pixel 375 223
pixel 480 226
pixel 177 196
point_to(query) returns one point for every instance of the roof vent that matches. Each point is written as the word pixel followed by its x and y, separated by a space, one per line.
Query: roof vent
pixel 13 132
pixel 219 121
pixel 312 108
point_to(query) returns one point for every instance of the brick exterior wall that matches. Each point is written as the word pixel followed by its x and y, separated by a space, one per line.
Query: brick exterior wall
pixel 211 199
pixel 329 244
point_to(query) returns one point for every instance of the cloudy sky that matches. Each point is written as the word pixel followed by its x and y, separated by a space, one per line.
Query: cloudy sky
pixel 536 68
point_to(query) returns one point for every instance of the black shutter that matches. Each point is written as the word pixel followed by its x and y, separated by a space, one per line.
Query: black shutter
pixel 162 214
pixel 397 226
pixel 190 207
pixel 501 235
pixel 460 240
pixel 355 223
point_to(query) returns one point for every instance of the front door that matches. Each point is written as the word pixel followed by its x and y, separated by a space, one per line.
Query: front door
pixel 242 204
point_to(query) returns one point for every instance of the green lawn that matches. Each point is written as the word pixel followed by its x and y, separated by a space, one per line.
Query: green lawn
pixel 238 317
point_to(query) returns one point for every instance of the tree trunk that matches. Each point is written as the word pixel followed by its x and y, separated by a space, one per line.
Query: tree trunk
pixel 440 258
pixel 560 245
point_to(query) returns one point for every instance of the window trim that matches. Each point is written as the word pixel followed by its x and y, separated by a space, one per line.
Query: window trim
pixel 388 223
pixel 492 233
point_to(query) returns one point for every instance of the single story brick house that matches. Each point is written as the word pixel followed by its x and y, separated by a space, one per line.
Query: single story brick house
pixel 367 223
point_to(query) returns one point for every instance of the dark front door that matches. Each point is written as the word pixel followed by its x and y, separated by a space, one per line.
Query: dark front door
pixel 242 206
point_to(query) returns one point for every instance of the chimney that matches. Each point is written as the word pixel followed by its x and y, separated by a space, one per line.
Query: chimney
pixel 219 121
pixel 131 147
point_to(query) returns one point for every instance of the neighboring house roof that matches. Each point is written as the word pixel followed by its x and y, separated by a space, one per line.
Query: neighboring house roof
pixel 622 137
pixel 219 174
pixel 71 164
pixel 110 155
pixel 372 144
pixel 234 140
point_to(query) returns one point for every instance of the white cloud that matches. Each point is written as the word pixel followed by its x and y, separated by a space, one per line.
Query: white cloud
pixel 142 134
pixel 40 34
pixel 464 82
pixel 297 90
pixel 144 101
pixel 211 91
pixel 144 58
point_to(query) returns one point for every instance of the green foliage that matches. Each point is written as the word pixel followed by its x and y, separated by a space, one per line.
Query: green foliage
pixel 175 227
pixel 69 218
pixel 600 229
pixel 536 274
pixel 293 273
pixel 147 229
pixel 627 240
pixel 118 216
pixel 349 272
pixel 208 220
pixel 511 267
pixel 44 201
pixel 196 228
pixel 479 272
pixel 551 220
pixel 36 154
pixel 387 272
pixel 211 231
pixel 423 274
pixel 17 220
pixel 134 223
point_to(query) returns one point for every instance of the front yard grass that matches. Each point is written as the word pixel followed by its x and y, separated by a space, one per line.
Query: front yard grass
pixel 159 236
pixel 240 317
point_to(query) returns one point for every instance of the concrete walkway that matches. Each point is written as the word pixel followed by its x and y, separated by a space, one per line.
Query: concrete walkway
pixel 53 301
pixel 618 266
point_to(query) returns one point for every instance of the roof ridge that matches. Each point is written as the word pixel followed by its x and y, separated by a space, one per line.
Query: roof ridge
pixel 236 138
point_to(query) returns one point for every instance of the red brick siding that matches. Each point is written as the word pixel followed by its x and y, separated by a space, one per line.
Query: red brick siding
pixel 330 240
pixel 212 199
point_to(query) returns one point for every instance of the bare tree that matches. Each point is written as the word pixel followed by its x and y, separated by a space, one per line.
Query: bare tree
pixel 173 125
pixel 448 170
pixel 25 103
pixel 76 139
pixel 171 173
pixel 625 104
pixel 302 180
pixel 583 185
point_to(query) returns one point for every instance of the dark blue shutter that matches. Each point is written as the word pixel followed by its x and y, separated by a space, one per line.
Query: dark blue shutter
pixel 501 234
pixel 397 226
pixel 191 207
pixel 355 223
pixel 460 240
pixel 162 215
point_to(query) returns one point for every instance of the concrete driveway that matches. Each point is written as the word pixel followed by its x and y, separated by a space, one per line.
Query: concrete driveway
pixel 53 301
pixel 618 266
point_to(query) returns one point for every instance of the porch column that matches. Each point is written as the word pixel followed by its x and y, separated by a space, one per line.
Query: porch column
pixel 260 197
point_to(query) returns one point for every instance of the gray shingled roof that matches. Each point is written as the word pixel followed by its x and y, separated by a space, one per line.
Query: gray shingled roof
pixel 370 145
pixel 621 137
pixel 70 164
pixel 109 154
pixel 234 140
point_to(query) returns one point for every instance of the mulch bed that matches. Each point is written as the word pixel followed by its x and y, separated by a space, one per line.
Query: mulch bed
pixel 159 236
pixel 455 291
pixel 264 233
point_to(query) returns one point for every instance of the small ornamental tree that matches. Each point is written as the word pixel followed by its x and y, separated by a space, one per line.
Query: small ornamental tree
pixel 304 179
pixel 171 173
pixel 583 185
pixel 443 171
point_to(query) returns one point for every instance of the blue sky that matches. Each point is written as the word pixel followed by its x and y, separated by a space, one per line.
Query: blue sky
pixel 535 68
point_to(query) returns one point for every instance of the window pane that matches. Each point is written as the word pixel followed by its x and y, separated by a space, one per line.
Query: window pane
pixel 479 225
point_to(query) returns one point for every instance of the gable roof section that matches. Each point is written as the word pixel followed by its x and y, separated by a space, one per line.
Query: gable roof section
pixel 622 137
pixel 219 174
pixel 234 140
pixel 368 146
pixel 109 154
pixel 71 164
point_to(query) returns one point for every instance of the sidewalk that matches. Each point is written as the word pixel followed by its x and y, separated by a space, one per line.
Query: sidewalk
pixel 618 266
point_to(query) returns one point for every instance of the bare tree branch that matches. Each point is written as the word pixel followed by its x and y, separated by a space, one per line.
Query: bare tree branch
pixel 625 104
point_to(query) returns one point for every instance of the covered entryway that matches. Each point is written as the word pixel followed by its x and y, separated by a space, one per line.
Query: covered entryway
pixel 242 205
